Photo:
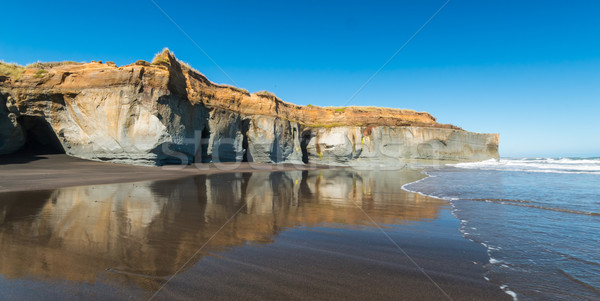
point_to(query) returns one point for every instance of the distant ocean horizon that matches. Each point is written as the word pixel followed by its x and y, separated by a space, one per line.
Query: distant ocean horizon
pixel 539 219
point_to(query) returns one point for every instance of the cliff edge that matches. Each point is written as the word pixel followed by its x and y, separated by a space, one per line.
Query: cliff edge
pixel 165 112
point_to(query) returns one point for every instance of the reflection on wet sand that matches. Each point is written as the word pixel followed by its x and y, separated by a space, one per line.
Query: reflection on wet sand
pixel 144 232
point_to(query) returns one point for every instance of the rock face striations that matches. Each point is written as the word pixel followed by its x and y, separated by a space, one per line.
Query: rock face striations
pixel 168 113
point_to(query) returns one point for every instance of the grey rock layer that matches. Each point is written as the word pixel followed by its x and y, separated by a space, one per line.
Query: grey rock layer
pixel 155 129
pixel 390 145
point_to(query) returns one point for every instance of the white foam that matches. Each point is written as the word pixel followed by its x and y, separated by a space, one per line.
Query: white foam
pixel 548 165
pixel 509 292
pixel 404 187
pixel 462 221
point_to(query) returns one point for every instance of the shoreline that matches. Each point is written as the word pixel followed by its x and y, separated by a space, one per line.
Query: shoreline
pixel 452 209
pixel 516 209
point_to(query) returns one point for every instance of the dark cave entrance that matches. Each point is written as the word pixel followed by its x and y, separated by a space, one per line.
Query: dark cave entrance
pixel 245 128
pixel 203 149
pixel 306 136
pixel 40 137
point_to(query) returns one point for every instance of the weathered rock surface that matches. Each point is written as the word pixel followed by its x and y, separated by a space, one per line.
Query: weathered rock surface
pixel 168 113
pixel 385 144
pixel 12 136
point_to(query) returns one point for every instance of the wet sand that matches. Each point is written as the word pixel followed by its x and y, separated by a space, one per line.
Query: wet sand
pixel 35 172
pixel 298 235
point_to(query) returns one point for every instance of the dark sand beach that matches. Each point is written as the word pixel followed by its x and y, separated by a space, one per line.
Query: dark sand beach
pixel 49 171
pixel 77 229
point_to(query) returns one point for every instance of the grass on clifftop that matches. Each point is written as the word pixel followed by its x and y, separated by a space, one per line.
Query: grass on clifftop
pixel 162 58
pixel 335 109
pixel 266 94
pixel 13 71
pixel 49 65
pixel 234 88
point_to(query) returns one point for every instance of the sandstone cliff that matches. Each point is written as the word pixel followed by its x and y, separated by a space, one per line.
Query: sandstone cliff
pixel 168 113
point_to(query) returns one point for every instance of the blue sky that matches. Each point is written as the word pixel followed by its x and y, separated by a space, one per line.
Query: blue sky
pixel 529 70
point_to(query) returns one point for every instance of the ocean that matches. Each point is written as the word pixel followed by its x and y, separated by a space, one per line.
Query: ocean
pixel 539 219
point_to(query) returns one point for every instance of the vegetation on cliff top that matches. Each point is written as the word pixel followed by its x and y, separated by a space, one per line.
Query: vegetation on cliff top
pixel 49 65
pixel 15 71
pixel 234 88
pixel 40 73
pixel 162 58
pixel 11 70
pixel 266 94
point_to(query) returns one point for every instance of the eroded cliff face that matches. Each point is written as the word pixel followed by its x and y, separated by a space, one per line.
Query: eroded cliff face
pixel 168 113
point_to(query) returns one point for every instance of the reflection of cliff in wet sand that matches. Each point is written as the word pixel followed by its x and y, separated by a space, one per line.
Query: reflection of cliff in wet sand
pixel 146 231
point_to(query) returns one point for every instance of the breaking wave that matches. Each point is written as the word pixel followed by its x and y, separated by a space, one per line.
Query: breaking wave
pixel 548 165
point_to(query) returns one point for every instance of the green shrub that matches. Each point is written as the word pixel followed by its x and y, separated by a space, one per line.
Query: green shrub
pixel 40 73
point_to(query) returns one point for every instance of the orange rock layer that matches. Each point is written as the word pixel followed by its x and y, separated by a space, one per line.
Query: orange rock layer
pixel 167 73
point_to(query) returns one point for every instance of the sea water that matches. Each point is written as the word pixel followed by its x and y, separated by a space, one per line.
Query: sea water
pixel 539 218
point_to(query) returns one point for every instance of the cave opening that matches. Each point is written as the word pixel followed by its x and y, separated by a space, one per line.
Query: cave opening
pixel 204 141
pixel 40 137
pixel 306 136
pixel 247 157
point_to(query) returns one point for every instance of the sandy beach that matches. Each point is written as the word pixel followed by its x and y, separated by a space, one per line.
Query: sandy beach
pixel 36 172
pixel 73 228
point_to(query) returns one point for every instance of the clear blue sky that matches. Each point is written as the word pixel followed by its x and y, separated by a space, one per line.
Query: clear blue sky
pixel 529 70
